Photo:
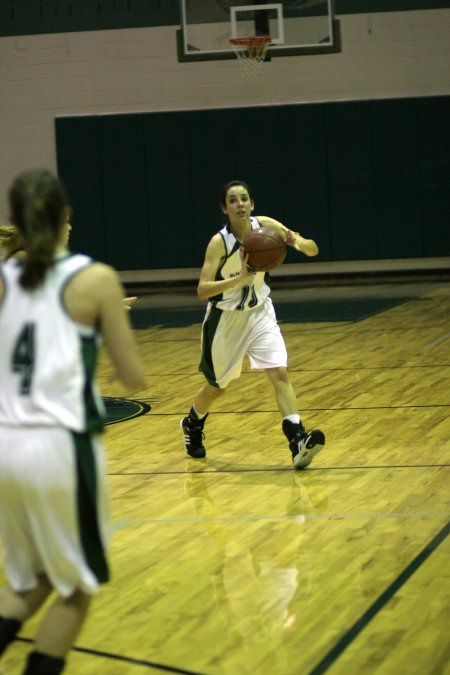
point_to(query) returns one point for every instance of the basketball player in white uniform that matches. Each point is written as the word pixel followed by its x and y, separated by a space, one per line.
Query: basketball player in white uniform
pixel 240 320
pixel 53 507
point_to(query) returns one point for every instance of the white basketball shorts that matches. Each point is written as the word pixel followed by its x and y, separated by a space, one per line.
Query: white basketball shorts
pixel 53 508
pixel 229 335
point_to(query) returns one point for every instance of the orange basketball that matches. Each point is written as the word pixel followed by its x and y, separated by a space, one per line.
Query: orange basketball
pixel 266 249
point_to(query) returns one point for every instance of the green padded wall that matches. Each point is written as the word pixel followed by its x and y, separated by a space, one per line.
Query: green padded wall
pixel 350 182
pixel 396 179
pixel 124 199
pixel 78 147
pixel 167 185
pixel 434 166
pixel 367 180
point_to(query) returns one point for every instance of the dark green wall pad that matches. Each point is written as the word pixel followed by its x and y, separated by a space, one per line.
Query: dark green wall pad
pixel 336 309
pixel 367 180
pixel 34 17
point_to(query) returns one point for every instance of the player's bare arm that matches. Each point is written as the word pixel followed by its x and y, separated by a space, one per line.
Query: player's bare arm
pixel 294 239
pixel 116 331
pixel 208 287
pixel 95 297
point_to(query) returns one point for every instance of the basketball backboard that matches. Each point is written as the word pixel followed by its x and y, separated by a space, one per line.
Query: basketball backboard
pixel 294 26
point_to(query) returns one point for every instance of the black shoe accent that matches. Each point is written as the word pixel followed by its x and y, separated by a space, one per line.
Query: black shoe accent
pixel 304 445
pixel 8 631
pixel 193 436
pixel 291 429
pixel 43 664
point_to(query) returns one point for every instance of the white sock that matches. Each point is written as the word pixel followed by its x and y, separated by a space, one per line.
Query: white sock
pixel 293 418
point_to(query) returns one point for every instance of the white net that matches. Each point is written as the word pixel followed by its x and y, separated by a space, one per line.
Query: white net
pixel 251 53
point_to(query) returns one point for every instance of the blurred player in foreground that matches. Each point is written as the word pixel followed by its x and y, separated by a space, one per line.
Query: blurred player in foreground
pixel 53 507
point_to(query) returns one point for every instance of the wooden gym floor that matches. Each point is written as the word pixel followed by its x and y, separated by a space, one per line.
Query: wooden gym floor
pixel 239 565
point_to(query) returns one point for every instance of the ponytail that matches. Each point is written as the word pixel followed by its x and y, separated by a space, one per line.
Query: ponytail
pixel 37 202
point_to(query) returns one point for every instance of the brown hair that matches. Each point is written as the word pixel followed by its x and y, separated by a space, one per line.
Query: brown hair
pixel 38 203
pixel 230 184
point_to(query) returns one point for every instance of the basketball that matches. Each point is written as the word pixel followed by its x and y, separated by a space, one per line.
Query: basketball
pixel 266 249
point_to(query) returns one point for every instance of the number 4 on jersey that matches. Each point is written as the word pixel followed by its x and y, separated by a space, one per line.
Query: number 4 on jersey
pixel 23 357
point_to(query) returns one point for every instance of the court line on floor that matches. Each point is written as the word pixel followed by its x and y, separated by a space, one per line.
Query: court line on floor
pixel 121 524
pixel 304 409
pixel 379 603
pixel 383 367
pixel 254 373
pixel 293 327
pixel 282 469
pixel 126 659
pixel 430 345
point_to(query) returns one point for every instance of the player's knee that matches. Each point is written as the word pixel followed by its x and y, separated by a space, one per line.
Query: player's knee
pixel 79 600
pixel 278 374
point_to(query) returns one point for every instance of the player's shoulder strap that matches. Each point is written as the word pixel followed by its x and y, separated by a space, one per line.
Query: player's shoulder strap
pixel 230 242
pixel 70 263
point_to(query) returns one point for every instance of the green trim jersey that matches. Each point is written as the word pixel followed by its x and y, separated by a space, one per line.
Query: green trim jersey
pixel 47 360
pixel 242 298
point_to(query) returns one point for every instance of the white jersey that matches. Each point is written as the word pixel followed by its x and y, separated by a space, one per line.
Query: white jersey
pixel 47 360
pixel 242 298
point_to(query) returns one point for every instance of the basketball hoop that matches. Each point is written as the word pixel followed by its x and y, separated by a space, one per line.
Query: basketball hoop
pixel 250 52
